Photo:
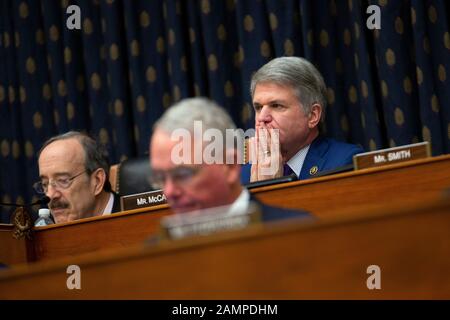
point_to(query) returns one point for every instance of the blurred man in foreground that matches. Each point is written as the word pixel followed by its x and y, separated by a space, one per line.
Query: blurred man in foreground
pixel 192 175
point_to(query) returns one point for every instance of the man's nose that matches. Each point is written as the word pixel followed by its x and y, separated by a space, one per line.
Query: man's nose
pixel 52 192
pixel 171 189
pixel 264 115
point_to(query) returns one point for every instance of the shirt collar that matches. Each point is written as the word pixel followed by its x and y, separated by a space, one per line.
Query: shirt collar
pixel 240 205
pixel 109 206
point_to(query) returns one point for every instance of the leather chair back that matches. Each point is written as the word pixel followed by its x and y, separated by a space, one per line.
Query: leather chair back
pixel 133 176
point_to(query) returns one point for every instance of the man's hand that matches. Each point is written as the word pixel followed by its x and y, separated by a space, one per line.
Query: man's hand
pixel 265 155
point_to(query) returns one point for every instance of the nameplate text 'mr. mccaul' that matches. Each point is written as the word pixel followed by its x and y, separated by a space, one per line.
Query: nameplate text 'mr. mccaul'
pixel 142 200
pixel 392 155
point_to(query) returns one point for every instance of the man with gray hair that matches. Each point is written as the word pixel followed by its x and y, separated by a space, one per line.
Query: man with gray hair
pixel 73 173
pixel 195 183
pixel 289 99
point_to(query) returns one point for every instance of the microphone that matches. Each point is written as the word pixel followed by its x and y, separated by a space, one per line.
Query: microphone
pixel 43 200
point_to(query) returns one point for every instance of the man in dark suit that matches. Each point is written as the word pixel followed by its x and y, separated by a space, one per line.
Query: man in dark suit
pixel 73 173
pixel 289 98
pixel 195 174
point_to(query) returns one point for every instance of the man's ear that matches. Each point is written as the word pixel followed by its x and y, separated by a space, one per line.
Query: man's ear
pixel 314 115
pixel 98 179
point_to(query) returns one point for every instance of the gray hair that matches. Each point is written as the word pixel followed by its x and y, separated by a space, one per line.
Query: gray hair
pixel 95 155
pixel 184 113
pixel 298 73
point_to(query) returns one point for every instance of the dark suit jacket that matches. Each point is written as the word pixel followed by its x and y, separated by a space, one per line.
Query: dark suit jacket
pixel 116 204
pixel 323 154
pixel 270 213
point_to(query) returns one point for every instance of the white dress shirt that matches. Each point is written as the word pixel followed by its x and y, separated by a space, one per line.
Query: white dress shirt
pixel 241 203
pixel 296 162
pixel 109 206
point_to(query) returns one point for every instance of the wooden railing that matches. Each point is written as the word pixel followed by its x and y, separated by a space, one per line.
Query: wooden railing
pixel 325 197
pixel 326 259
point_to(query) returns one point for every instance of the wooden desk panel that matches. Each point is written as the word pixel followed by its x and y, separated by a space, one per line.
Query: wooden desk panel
pixel 13 250
pixel 328 260
pixel 423 180
pixel 325 197
pixel 93 234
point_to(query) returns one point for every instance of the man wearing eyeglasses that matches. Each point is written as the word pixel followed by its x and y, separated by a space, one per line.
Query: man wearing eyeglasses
pixel 73 173
pixel 197 183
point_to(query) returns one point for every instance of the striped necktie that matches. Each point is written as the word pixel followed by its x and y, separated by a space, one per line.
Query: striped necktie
pixel 287 171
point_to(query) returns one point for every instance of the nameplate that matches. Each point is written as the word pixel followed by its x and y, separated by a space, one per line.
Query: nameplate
pixel 392 155
pixel 205 222
pixel 142 200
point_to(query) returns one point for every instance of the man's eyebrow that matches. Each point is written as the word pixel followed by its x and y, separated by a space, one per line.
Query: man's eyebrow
pixel 276 101
pixel 58 174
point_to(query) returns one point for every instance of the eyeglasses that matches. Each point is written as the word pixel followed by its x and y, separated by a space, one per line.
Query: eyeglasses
pixel 179 175
pixel 60 183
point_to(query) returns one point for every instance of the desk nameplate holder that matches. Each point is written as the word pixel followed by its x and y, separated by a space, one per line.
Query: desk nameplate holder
pixel 142 200
pixel 208 221
pixel 392 155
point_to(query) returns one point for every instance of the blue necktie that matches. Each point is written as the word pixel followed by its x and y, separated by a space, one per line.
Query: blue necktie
pixel 287 171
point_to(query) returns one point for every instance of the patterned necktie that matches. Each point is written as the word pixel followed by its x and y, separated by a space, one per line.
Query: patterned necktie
pixel 287 171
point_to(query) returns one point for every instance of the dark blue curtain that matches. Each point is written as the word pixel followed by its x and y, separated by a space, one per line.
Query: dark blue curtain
pixel 132 59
